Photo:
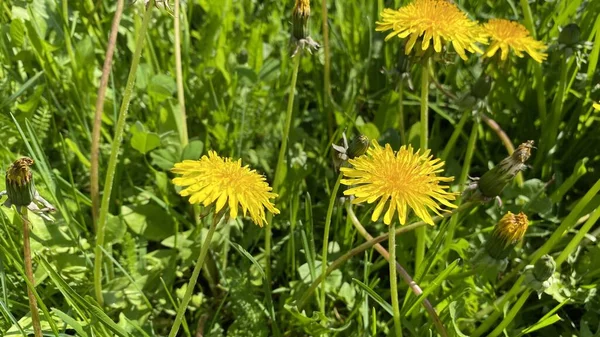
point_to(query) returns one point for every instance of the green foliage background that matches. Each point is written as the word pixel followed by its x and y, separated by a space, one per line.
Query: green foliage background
pixel 237 70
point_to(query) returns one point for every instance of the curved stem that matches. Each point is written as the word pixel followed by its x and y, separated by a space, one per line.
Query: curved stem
pixel 368 244
pixel 403 273
pixel 114 153
pixel 421 233
pixel 35 315
pixel 332 199
pixel 95 148
pixel 183 131
pixel 197 268
pixel 505 140
pixel 393 280
pixel 277 179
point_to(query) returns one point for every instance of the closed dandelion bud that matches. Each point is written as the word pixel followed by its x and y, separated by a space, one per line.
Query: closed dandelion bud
pixel 300 19
pixel 544 268
pixel 482 87
pixel 507 233
pixel 569 35
pixel 19 182
pixel 358 146
pixel 495 180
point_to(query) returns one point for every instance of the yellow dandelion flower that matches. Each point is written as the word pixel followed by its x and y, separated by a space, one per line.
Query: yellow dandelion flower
pixel 406 179
pixel 302 8
pixel 507 35
pixel 596 106
pixel 437 20
pixel 222 181
pixel 511 228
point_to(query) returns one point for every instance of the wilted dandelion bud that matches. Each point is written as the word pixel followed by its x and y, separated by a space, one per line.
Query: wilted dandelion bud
pixel 507 233
pixel 540 276
pixel 300 31
pixel 21 191
pixel 569 35
pixel 491 184
pixel 358 146
pixel 19 182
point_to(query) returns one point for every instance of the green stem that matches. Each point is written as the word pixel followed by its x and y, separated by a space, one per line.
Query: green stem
pixel 279 170
pixel 580 234
pixel 197 268
pixel 462 180
pixel 511 314
pixel 96 128
pixel 393 280
pixel 332 199
pixel 401 111
pixel 326 69
pixel 421 233
pixel 454 137
pixel 183 132
pixel 35 315
pixel 537 68
pixel 370 243
pixel 114 153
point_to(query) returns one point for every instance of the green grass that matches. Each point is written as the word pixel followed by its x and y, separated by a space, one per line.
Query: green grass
pixel 235 73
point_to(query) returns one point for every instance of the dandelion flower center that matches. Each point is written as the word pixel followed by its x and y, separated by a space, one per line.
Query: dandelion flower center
pixel 511 227
pixel 222 181
pixel 437 20
pixel 509 35
pixel 403 180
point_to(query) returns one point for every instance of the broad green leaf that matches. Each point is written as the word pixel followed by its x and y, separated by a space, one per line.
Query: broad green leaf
pixel 142 140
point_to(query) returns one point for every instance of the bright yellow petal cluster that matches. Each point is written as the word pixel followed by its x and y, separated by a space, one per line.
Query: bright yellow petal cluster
pixel 302 8
pixel 511 228
pixel 222 181
pixel 506 35
pixel 406 179
pixel 437 20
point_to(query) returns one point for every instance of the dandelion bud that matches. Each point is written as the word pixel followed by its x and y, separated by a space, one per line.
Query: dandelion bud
pixel 544 268
pixel 482 87
pixel 507 233
pixel 358 146
pixel 570 35
pixel 300 19
pixel 492 183
pixel 19 182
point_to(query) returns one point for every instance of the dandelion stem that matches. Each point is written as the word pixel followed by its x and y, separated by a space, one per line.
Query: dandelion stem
pixel 183 132
pixel 114 153
pixel 454 137
pixel 416 289
pixel 368 244
pixel 511 314
pixel 421 233
pixel 332 200
pixel 279 170
pixel 326 69
pixel 401 111
pixel 95 149
pixel 35 315
pixel 393 280
pixel 505 140
pixel 197 268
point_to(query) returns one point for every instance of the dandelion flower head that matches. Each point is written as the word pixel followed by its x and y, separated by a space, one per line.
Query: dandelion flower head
pixel 437 20
pixel 406 179
pixel 512 227
pixel 302 8
pixel 510 35
pixel 223 181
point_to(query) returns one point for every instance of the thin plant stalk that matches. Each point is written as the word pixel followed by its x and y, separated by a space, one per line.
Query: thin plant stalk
pixel 454 137
pixel 183 131
pixel 326 68
pixel 510 148
pixel 114 153
pixel 95 148
pixel 579 235
pixel 370 243
pixel 510 316
pixel 35 315
pixel 393 280
pixel 421 233
pixel 416 289
pixel 194 278
pixel 537 68
pixel 462 179
pixel 332 200
pixel 279 169
pixel 401 111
